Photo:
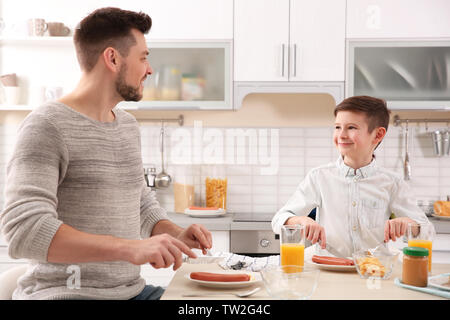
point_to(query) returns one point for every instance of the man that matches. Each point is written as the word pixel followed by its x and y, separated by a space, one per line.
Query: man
pixel 76 202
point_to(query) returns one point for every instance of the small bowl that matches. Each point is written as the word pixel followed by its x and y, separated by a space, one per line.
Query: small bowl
pixel 376 266
pixel 290 282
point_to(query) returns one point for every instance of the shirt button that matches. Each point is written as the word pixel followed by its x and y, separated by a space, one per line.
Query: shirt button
pixel 354 228
pixel 354 203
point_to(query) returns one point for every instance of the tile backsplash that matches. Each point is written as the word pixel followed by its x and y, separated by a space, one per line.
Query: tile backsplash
pixel 265 165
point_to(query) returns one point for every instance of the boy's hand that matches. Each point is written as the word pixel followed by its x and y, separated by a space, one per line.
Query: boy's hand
pixel 395 228
pixel 314 232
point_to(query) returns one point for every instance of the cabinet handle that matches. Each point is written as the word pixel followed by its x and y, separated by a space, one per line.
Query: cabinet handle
pixel 282 60
pixel 295 60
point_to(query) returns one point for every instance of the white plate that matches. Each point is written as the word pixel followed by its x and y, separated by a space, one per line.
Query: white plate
pixel 255 277
pixel 441 217
pixel 205 213
pixel 332 267
pixel 439 280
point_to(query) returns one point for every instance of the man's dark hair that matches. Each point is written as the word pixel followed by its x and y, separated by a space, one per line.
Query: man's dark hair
pixel 107 27
pixel 375 109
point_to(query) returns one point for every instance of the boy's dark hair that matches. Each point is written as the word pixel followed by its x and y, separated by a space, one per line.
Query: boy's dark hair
pixel 107 27
pixel 375 110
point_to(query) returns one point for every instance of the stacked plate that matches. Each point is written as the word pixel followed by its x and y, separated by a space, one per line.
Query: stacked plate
pixel 204 212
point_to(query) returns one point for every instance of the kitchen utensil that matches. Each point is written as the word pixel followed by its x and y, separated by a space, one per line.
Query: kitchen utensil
pixel 162 179
pixel 446 143
pixel 436 136
pixel 237 294
pixel 406 166
pixel 290 282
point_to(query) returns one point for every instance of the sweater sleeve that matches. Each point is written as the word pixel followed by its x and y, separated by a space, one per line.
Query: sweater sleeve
pixel 151 211
pixel 38 164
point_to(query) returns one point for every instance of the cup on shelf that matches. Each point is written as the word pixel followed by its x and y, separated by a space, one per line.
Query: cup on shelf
pixel 11 95
pixel 57 29
pixel 37 27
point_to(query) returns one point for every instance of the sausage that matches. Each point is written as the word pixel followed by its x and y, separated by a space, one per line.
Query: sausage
pixel 220 277
pixel 332 261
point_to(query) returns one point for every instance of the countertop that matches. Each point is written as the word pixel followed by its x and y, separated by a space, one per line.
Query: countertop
pixel 332 286
pixel 225 223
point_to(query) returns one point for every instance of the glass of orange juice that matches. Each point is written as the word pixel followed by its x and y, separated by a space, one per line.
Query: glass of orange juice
pixel 292 245
pixel 421 235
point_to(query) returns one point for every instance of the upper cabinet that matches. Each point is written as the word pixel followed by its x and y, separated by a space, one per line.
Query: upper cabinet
pixel 198 19
pixel 398 19
pixel 289 40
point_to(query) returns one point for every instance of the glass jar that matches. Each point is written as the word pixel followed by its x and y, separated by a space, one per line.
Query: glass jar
pixel 216 188
pixel 170 84
pixel 415 266
pixel 183 189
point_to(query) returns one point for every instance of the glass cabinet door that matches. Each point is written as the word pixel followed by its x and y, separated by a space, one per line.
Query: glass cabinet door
pixel 187 75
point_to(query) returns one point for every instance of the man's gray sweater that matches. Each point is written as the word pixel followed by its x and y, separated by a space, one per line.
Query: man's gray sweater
pixel 68 168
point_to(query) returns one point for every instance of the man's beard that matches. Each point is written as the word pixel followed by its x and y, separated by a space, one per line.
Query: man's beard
pixel 127 92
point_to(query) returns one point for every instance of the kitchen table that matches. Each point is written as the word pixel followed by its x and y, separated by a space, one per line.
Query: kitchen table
pixel 332 285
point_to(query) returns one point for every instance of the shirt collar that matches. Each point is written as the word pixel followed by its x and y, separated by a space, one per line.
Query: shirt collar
pixel 362 172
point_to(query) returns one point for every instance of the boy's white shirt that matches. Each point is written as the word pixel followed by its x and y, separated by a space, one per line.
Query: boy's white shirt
pixel 353 205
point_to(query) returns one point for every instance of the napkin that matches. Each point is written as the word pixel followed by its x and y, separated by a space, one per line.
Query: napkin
pixel 247 263
pixel 430 290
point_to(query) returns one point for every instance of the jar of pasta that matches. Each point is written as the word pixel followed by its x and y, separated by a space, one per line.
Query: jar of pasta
pixel 216 189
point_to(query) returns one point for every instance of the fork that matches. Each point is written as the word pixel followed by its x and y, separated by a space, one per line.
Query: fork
pixel 237 294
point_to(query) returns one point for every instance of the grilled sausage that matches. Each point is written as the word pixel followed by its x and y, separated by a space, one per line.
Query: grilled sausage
pixel 332 260
pixel 220 277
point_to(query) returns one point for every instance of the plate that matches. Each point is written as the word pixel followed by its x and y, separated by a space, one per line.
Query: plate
pixel 332 267
pixel 439 281
pixel 441 217
pixel 205 213
pixel 255 277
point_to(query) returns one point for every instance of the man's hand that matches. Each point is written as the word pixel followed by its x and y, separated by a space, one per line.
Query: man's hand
pixel 161 251
pixel 314 232
pixel 395 228
pixel 196 236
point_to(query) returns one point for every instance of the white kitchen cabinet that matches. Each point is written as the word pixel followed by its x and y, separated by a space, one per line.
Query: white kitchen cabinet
pixel 398 19
pixel 289 40
pixel 191 19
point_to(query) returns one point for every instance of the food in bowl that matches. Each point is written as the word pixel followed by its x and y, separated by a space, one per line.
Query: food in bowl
pixel 375 265
pixel 371 266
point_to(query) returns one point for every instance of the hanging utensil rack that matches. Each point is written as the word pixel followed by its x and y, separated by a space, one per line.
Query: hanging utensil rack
pixel 397 121
pixel 180 120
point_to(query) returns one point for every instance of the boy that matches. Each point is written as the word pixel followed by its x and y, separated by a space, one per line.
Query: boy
pixel 354 196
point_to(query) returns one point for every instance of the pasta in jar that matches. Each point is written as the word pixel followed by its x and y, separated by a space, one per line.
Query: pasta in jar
pixel 216 193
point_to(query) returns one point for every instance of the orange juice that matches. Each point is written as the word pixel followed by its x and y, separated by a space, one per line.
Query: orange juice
pixel 292 254
pixel 427 244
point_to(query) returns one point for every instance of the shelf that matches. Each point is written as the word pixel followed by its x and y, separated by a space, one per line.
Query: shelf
pixel 18 107
pixel 24 40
